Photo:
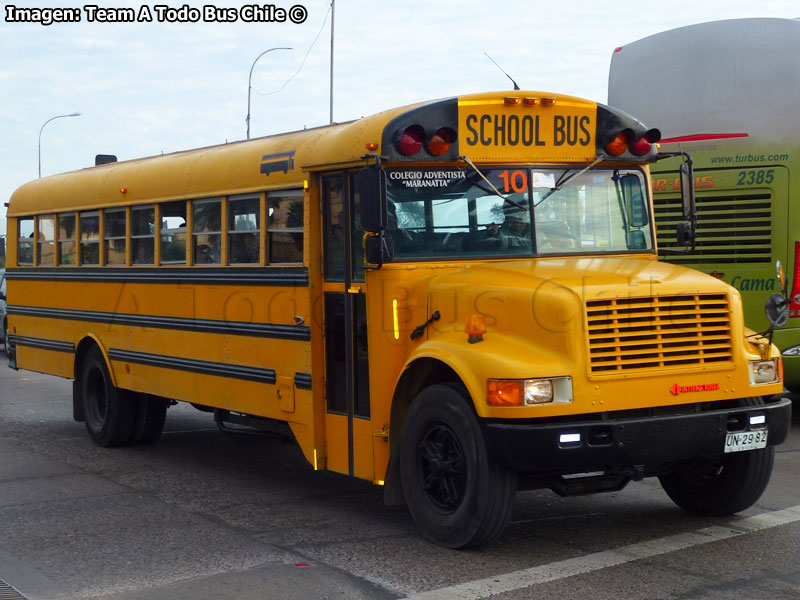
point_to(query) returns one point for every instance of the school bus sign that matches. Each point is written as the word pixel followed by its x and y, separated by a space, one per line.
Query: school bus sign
pixel 509 128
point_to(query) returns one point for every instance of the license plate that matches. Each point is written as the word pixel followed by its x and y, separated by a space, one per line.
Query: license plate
pixel 746 440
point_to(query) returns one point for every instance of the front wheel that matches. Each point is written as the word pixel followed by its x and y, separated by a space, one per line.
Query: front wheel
pixel 723 485
pixel 457 496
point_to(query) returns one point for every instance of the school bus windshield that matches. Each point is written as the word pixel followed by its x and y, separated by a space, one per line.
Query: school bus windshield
pixel 452 213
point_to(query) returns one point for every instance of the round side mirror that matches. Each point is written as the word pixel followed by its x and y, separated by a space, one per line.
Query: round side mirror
pixel 777 309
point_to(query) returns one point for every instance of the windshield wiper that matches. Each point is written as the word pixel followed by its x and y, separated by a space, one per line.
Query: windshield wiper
pixel 560 184
pixel 491 185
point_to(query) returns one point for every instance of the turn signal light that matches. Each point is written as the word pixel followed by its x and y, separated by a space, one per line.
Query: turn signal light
pixel 504 393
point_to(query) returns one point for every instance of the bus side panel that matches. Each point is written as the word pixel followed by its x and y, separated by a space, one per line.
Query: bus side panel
pixel 218 345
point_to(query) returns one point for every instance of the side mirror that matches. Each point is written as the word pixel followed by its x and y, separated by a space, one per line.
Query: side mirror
pixel 777 309
pixel 371 188
pixel 687 189
pixel 378 249
pixel 634 196
pixel 684 233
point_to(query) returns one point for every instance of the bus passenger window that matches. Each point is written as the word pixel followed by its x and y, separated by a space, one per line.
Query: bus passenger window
pixel 115 236
pixel 143 221
pixel 206 229
pixel 66 239
pixel 90 238
pixel 44 239
pixel 25 242
pixel 173 232
pixel 243 227
pixel 285 228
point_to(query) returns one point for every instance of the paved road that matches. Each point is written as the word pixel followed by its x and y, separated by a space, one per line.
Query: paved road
pixel 204 514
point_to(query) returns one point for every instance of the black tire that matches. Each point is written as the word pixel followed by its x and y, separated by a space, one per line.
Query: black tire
pixel 457 496
pixel 151 414
pixel 110 414
pixel 723 485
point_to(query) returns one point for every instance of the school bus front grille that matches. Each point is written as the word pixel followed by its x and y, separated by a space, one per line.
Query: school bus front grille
pixel 629 335
pixel 731 229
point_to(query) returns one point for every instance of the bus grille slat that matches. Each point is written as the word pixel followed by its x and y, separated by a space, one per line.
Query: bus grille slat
pixel 731 229
pixel 638 335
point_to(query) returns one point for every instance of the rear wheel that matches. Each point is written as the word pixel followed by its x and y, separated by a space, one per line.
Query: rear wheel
pixel 110 414
pixel 151 415
pixel 722 485
pixel 457 496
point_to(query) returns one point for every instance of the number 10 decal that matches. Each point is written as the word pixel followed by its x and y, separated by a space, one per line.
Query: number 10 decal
pixel 514 181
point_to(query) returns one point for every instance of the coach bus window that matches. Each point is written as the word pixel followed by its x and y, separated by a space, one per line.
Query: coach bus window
pixel 206 228
pixel 243 228
pixel 115 236
pixel 142 235
pixel 90 238
pixel 66 239
pixel 44 238
pixel 173 232
pixel 285 229
pixel 25 243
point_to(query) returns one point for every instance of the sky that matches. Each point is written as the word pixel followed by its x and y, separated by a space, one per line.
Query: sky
pixel 150 87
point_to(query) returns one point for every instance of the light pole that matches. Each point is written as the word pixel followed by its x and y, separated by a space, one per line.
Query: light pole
pixel 40 135
pixel 250 87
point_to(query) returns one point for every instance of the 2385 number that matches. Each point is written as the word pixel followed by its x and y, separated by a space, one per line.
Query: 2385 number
pixel 754 177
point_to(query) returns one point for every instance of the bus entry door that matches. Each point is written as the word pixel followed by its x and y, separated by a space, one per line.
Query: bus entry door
pixel 348 429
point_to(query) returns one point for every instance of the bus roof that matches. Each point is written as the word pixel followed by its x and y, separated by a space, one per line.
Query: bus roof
pixel 732 76
pixel 280 161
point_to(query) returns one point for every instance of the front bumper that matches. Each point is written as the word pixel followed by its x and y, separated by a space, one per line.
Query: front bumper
pixel 623 442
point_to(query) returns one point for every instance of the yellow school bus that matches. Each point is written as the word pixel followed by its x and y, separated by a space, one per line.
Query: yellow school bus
pixel 455 300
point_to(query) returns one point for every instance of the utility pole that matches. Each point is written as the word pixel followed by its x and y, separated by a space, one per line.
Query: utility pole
pixel 333 8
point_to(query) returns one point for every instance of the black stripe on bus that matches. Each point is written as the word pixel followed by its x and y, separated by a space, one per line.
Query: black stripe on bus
pixel 302 381
pixel 41 343
pixel 266 330
pixel 194 366
pixel 297 277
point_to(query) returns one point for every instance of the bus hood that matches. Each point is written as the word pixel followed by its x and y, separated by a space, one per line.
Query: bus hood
pixel 587 278
pixel 558 299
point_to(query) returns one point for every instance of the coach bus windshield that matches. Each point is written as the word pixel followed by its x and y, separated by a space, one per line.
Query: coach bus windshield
pixel 449 213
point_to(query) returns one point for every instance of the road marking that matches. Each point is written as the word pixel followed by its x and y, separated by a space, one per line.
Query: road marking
pixel 516 580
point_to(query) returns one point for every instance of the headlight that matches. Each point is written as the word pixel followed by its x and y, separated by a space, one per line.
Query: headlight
pixel 538 391
pixel 529 392
pixel 763 371
pixel 793 351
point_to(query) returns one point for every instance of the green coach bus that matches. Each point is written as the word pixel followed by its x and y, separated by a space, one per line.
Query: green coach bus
pixel 728 93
